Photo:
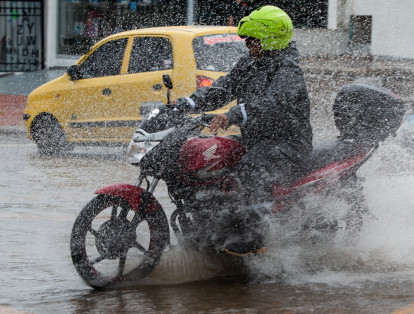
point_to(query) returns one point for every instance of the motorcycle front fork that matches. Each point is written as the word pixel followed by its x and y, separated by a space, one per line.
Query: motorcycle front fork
pixel 179 213
pixel 151 186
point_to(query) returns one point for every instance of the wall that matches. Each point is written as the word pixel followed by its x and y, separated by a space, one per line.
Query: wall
pixel 51 26
pixel 320 42
pixel 392 24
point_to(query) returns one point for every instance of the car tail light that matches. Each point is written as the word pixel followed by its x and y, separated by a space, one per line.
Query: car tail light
pixel 203 81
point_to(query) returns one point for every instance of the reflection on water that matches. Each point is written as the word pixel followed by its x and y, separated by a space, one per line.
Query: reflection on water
pixel 41 197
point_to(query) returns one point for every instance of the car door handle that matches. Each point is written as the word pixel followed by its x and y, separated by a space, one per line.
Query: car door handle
pixel 157 86
pixel 106 92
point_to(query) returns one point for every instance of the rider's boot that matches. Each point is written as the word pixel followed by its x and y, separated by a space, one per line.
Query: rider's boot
pixel 246 234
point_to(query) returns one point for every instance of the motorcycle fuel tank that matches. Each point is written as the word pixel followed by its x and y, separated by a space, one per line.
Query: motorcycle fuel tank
pixel 203 158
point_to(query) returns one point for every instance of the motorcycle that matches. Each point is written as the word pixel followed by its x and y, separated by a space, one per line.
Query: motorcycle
pixel 123 232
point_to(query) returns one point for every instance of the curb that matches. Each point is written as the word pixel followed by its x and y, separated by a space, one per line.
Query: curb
pixel 358 66
pixel 338 72
pixel 17 129
pixel 4 74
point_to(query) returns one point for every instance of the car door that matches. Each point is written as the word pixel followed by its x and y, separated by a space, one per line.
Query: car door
pixel 150 57
pixel 91 100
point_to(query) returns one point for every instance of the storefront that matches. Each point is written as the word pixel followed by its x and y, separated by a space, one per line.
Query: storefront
pixel 65 29
pixel 75 25
pixel 83 23
pixel 21 36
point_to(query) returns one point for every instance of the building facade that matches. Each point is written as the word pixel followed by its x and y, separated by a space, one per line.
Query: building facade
pixel 383 27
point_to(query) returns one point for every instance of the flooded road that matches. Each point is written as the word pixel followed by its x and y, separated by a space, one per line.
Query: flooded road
pixel 40 198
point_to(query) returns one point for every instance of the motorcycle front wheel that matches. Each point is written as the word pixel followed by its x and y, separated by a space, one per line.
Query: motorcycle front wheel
pixel 111 243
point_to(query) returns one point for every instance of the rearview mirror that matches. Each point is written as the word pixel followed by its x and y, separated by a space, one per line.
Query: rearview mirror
pixel 166 79
pixel 74 73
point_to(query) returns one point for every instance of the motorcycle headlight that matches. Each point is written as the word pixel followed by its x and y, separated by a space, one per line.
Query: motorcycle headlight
pixel 137 150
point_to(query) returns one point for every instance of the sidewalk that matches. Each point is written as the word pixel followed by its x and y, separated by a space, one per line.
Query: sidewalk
pixel 359 66
pixel 11 111
pixel 14 89
pixel 395 74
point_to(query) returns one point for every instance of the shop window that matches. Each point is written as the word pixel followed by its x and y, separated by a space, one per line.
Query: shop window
pixel 105 61
pixel 150 54
pixel 304 13
pixel 82 23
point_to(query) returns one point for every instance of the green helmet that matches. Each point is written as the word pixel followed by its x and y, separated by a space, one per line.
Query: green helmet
pixel 270 24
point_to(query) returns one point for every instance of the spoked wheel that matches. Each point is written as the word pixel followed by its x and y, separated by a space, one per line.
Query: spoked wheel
pixel 111 243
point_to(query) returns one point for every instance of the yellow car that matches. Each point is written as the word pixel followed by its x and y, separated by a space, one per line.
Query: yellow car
pixel 102 97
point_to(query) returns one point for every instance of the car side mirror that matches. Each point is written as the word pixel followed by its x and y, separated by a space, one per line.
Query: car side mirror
pixel 74 73
pixel 166 79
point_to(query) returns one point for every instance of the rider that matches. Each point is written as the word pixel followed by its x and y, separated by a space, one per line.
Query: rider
pixel 272 108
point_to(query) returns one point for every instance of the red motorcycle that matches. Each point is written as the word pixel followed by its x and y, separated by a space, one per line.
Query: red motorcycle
pixel 122 233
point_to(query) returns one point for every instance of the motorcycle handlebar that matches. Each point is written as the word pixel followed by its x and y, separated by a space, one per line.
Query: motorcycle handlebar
pixel 203 119
pixel 207 117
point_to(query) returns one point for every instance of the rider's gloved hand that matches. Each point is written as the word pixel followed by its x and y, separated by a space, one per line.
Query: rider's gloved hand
pixel 183 105
pixel 219 121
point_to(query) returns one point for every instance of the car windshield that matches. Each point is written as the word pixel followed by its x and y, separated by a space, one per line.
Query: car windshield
pixel 218 52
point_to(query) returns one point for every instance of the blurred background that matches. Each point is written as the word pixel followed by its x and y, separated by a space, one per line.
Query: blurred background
pixel 43 34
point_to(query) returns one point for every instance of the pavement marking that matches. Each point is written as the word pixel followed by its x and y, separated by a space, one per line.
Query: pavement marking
pixel 66 218
pixel 16 145
pixel 408 310
pixel 37 196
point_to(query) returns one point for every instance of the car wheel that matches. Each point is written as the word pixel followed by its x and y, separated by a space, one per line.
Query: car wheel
pixel 49 136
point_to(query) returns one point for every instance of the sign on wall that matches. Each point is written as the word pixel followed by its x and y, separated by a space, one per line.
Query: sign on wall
pixel 21 41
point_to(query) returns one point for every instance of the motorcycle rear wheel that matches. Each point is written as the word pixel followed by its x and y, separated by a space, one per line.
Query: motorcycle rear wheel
pixel 111 244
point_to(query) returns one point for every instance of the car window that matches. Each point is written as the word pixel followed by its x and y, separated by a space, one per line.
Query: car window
pixel 218 52
pixel 106 60
pixel 150 54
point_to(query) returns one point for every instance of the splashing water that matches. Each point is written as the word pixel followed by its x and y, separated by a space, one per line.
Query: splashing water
pixel 383 248
pixel 181 264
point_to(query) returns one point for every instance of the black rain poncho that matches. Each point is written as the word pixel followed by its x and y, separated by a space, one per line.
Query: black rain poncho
pixel 272 110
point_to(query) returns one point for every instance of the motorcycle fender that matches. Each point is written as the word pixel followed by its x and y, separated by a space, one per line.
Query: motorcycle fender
pixel 132 194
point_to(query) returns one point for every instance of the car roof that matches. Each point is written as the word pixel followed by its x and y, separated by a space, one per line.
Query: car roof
pixel 194 30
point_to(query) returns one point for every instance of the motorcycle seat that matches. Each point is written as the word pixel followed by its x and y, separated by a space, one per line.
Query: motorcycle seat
pixel 326 154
